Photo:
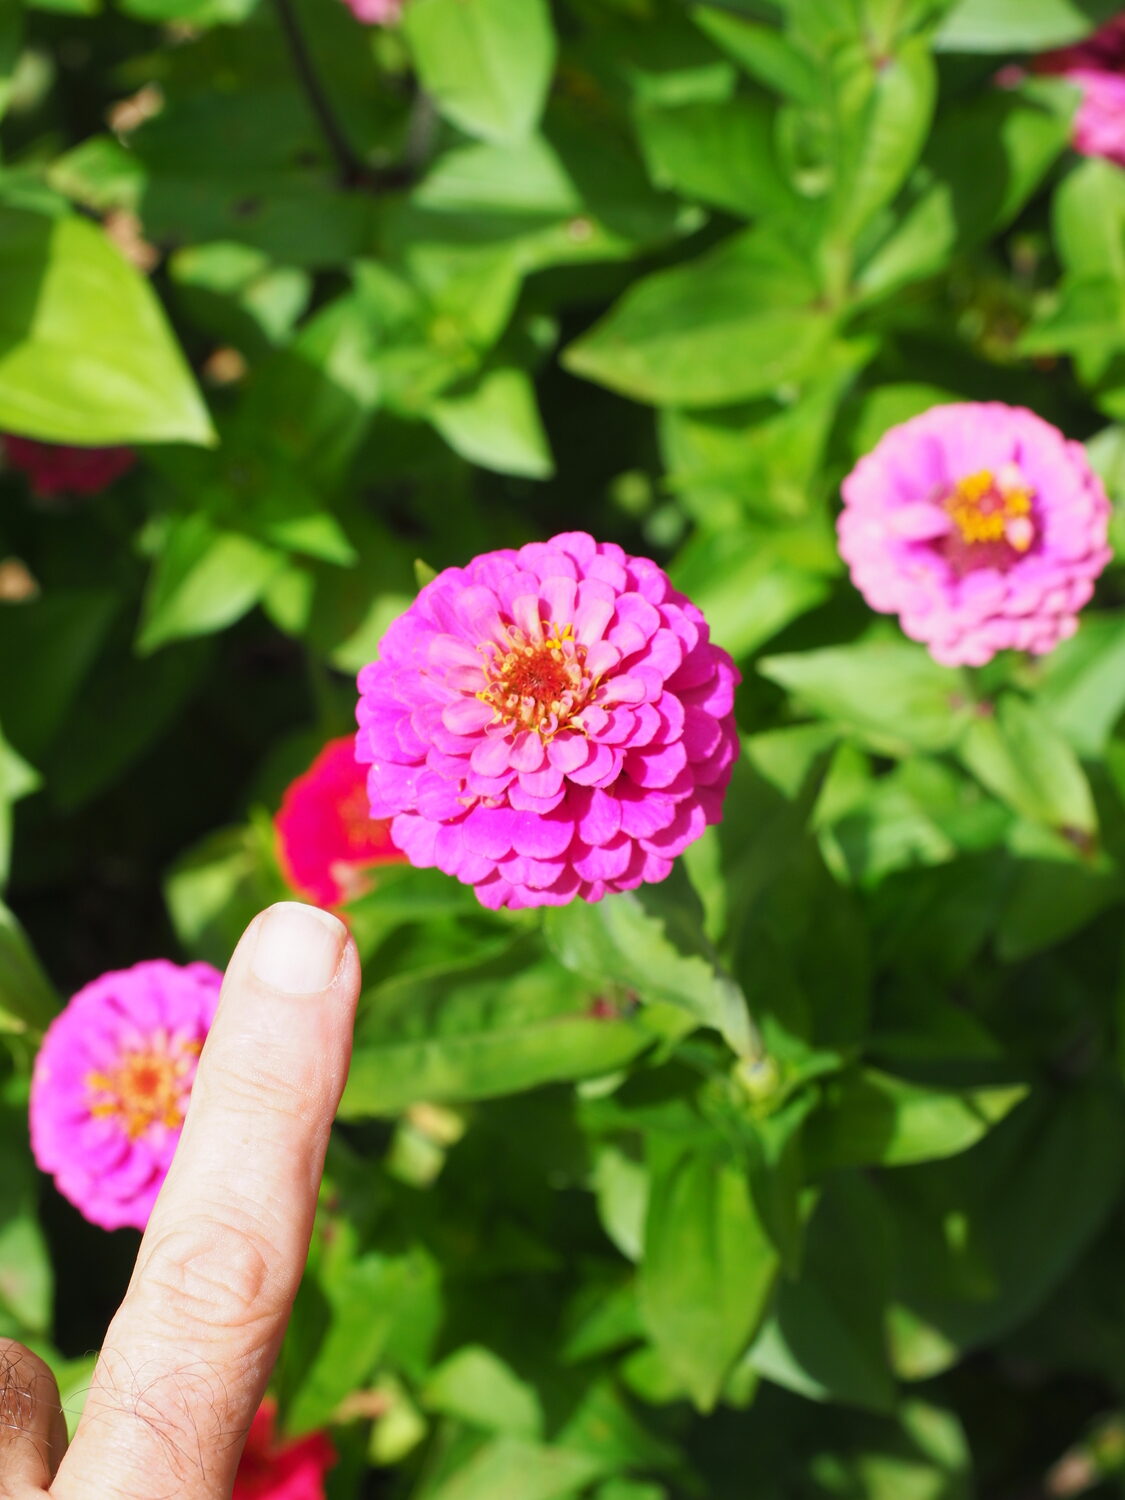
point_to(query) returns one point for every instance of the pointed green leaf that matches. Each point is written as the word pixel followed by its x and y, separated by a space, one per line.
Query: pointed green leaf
pixel 707 1271
pixel 86 354
pixel 487 63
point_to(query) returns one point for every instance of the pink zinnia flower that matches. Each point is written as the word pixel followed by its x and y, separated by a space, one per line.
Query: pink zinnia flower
pixel 548 723
pixel 287 1471
pixel 1097 68
pixel 326 838
pixel 980 526
pixel 375 12
pixel 111 1083
pixel 60 469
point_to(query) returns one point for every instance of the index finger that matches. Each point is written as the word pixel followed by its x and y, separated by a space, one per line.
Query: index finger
pixel 186 1359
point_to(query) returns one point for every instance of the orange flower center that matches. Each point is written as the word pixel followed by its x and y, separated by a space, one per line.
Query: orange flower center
pixel 146 1088
pixel 993 508
pixel 537 685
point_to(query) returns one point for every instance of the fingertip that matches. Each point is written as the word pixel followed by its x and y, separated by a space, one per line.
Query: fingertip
pixel 296 949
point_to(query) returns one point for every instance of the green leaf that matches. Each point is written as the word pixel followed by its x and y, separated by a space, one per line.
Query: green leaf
pixel 752 583
pixel 869 1118
pixel 11 40
pixel 1014 141
pixel 1081 689
pixel 345 1322
pixel 28 1002
pixel 736 323
pixel 475 1385
pixel 718 152
pixel 1020 25
pixel 769 57
pixel 86 355
pixel 824 1338
pixel 495 423
pixel 707 1271
pixel 1087 319
pixel 763 458
pixel 892 694
pixel 477 1030
pixel 570 196
pixel 1088 219
pixel 621 1186
pixel 1017 754
pixel 1046 1177
pixel 487 63
pixel 48 646
pixel 509 1469
pixel 315 397
pixel 884 112
pixel 203 580
pixel 652 943
pixel 26 1282
pixel 214 890
pixel 1049 900
pixel 17 779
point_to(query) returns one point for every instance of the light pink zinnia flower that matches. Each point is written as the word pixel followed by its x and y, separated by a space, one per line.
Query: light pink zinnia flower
pixel 1097 68
pixel 111 1083
pixel 61 469
pixel 980 526
pixel 326 837
pixel 375 12
pixel 269 1470
pixel 548 723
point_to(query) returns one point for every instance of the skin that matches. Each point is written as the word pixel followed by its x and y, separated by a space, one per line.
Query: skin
pixel 186 1359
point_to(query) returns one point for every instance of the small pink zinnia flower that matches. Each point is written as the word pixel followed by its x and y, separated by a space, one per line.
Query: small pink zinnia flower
pixel 60 469
pixel 548 723
pixel 1097 68
pixel 111 1083
pixel 287 1471
pixel 375 12
pixel 980 526
pixel 326 837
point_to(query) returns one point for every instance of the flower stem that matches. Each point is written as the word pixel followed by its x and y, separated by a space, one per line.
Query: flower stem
pixel 351 168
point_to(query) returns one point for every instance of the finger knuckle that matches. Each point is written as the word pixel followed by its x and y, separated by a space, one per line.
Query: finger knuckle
pixel 212 1277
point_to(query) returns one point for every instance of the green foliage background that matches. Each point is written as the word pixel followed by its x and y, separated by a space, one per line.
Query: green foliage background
pixel 661 270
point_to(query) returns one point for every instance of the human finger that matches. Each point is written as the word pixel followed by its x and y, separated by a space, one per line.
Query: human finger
pixel 32 1429
pixel 187 1357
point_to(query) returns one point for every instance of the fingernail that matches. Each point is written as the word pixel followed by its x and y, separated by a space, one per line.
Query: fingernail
pixel 297 949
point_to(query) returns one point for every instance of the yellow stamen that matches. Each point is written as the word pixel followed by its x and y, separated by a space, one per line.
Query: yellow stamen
pixel 993 508
pixel 146 1088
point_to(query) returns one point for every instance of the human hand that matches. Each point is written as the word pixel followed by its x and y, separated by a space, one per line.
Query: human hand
pixel 186 1359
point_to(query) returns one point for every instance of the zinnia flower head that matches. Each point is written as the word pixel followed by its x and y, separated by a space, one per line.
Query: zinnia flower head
pixel 548 723
pixel 286 1471
pixel 60 469
pixel 111 1083
pixel 1097 68
pixel 981 526
pixel 375 12
pixel 326 837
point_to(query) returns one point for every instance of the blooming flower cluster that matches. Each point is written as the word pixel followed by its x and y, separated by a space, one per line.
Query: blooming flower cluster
pixel 375 12
pixel 59 469
pixel 980 526
pixel 326 838
pixel 1097 68
pixel 111 1084
pixel 548 723
pixel 270 1470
